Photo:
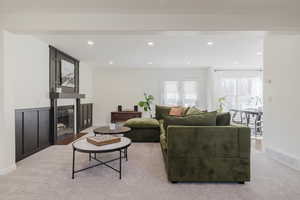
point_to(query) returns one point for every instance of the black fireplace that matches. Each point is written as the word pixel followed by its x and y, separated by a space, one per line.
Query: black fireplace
pixel 65 121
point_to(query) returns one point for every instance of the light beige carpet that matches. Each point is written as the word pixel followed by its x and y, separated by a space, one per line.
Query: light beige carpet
pixel 47 176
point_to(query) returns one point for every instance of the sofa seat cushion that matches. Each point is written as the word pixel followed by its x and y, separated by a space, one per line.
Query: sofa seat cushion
pixel 163 136
pixel 162 128
pixel 142 123
pixel 163 142
pixel 204 119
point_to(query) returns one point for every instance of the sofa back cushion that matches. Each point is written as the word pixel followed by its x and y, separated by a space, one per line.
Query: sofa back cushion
pixel 161 111
pixel 223 119
pixel 204 119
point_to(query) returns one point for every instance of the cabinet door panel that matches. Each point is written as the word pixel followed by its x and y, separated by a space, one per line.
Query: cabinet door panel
pixel 19 135
pixel 90 115
pixel 44 128
pixel 30 132
pixel 92 107
pixel 85 115
pixel 81 117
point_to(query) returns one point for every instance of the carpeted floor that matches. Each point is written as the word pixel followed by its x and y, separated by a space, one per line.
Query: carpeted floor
pixel 47 176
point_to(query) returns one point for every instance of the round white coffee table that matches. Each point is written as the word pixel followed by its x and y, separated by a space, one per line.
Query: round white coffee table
pixel 85 147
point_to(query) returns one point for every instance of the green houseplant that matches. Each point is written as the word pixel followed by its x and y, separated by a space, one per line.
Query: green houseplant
pixel 221 106
pixel 146 103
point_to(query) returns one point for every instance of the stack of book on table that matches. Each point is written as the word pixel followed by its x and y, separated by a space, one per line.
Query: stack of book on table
pixel 103 140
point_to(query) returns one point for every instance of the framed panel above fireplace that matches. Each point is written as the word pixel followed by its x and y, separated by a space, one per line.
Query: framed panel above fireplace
pixel 67 76
pixel 64 72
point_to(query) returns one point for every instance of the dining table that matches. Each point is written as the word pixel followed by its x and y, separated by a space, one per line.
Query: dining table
pixel 248 112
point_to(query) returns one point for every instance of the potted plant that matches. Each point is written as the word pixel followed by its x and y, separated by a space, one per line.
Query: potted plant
pixel 221 106
pixel 146 103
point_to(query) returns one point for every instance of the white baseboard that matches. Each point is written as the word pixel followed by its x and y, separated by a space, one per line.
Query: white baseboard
pixel 8 169
pixel 284 158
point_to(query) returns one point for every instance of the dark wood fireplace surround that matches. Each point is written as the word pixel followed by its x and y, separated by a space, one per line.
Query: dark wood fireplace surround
pixel 56 56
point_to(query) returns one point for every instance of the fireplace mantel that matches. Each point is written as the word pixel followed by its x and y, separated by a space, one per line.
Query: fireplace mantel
pixel 56 95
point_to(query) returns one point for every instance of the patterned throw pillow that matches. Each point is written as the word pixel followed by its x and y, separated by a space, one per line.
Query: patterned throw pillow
pixel 193 111
pixel 162 111
pixel 177 111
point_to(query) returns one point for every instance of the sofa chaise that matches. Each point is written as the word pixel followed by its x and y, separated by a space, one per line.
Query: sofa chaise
pixel 143 130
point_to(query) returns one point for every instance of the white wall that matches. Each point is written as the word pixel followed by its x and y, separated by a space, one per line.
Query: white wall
pixel 91 22
pixel 1 78
pixel 126 87
pixel 86 82
pixel 8 104
pixel 30 58
pixel 7 163
pixel 282 98
pixel 26 85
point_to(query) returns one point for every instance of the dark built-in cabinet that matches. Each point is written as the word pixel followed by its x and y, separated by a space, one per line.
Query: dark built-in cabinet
pixel 86 116
pixel 33 131
pixel 124 115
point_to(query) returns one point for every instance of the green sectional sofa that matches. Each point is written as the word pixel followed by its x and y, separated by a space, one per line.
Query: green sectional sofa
pixel 213 151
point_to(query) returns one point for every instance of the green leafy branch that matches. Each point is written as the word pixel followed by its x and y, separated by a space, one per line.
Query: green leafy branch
pixel 146 103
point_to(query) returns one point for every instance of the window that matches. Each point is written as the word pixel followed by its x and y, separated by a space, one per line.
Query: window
pixel 241 92
pixel 189 96
pixel 180 93
pixel 171 93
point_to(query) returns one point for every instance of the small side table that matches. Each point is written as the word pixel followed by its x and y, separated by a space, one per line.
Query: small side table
pixel 124 116
pixel 105 130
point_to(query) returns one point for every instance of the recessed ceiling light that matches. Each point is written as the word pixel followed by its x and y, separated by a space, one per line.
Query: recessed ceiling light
pixel 150 63
pixel 111 62
pixel 90 42
pixel 150 44
pixel 259 53
pixel 210 43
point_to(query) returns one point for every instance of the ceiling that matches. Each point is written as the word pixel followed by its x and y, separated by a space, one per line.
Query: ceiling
pixel 152 6
pixel 170 49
